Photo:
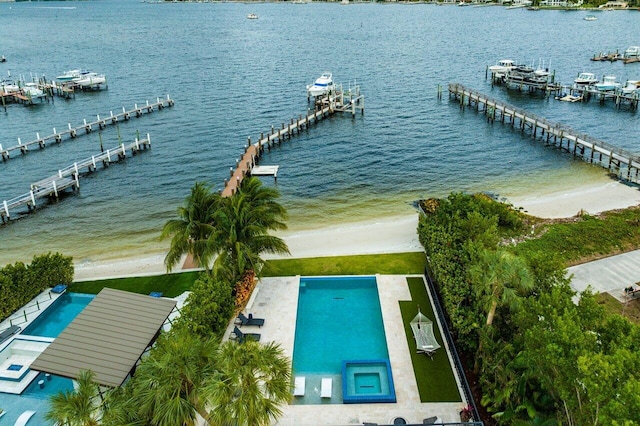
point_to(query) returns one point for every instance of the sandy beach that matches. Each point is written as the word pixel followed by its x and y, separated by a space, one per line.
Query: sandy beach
pixel 390 235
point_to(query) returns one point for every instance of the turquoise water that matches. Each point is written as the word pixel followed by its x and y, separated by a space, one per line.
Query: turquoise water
pixel 33 398
pixel 233 77
pixel 58 315
pixel 338 319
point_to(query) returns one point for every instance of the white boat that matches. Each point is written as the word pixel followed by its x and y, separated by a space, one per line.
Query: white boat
pixel 608 84
pixel 31 90
pixel 71 75
pixel 322 85
pixel 90 79
pixel 252 16
pixel 586 79
pixel 632 52
pixel 502 67
pixel 631 87
pixel 463 3
pixel 8 86
pixel 590 18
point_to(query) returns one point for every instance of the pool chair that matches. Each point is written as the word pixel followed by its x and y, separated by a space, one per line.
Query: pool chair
pixel 243 337
pixel 326 387
pixel 60 288
pixel 299 385
pixel 24 418
pixel 431 420
pixel 250 321
pixel 14 329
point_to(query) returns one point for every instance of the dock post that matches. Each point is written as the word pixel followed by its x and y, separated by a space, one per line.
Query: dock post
pixel 55 189
pixel 6 209
pixel 93 160
pixel 57 136
pixel 33 199
pixel 75 166
pixel 148 140
pixel 230 171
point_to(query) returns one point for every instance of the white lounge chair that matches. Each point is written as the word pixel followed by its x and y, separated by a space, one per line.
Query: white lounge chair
pixel 326 387
pixel 299 386
pixel 24 418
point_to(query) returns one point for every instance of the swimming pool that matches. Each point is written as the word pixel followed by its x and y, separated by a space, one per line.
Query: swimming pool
pixel 59 315
pixel 338 318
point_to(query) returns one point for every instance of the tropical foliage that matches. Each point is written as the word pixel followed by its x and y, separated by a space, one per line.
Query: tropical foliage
pixel 80 407
pixel 541 358
pixel 19 283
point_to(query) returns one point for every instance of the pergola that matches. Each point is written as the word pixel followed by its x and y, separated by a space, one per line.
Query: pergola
pixel 108 337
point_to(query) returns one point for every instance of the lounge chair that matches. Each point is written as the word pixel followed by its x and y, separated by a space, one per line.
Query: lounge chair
pixel 326 387
pixel 60 288
pixel 24 418
pixel 14 329
pixel 431 420
pixel 243 337
pixel 299 385
pixel 250 321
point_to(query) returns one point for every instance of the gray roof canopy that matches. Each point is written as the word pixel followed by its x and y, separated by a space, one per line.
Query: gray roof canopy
pixel 107 337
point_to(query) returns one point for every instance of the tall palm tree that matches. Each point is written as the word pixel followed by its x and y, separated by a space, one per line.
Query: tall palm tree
pixel 499 278
pixel 167 387
pixel 190 232
pixel 251 383
pixel 242 225
pixel 80 407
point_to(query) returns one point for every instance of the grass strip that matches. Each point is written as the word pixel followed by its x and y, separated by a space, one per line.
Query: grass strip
pixel 385 264
pixel 171 285
pixel 436 382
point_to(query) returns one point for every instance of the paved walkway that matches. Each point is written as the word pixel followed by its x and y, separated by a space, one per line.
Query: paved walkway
pixel 277 302
pixel 610 275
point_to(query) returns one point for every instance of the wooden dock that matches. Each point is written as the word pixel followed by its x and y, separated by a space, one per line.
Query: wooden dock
pixel 68 177
pixel 86 127
pixel 624 164
pixel 350 100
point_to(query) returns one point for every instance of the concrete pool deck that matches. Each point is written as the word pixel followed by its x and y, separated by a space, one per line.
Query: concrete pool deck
pixel 276 300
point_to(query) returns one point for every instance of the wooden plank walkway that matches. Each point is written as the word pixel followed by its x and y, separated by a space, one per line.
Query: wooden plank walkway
pixel 623 163
pixel 87 127
pixel 349 100
pixel 69 177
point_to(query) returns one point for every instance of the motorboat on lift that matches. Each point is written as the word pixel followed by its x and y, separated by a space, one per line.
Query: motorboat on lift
pixel 632 52
pixel 71 75
pixel 586 79
pixel 90 79
pixel 502 67
pixel 322 85
pixel 8 86
pixel 31 90
pixel 608 84
pixel 632 87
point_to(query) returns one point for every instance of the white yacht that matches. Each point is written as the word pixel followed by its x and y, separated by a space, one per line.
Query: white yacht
pixel 632 52
pixel 586 79
pixel 632 87
pixel 71 75
pixel 90 79
pixel 607 84
pixel 502 67
pixel 322 85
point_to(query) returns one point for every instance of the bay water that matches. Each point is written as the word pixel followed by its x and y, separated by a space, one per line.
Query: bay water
pixel 233 77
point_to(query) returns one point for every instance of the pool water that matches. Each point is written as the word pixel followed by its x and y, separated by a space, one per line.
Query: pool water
pixel 59 315
pixel 338 319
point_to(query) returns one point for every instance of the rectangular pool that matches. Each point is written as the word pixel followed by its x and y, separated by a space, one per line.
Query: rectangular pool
pixel 338 319
pixel 59 315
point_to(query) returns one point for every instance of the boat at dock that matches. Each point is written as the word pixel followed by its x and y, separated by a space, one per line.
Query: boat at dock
pixel 502 67
pixel 31 90
pixel 9 86
pixel 632 52
pixel 322 85
pixel 90 79
pixel 631 87
pixel 607 84
pixel 586 79
pixel 71 75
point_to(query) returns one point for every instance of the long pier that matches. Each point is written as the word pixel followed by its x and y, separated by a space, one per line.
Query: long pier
pixel 69 177
pixel 86 127
pixel 340 100
pixel 623 163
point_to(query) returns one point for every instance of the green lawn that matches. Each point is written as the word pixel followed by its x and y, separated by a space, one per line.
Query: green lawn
pixel 385 264
pixel 436 382
pixel 171 285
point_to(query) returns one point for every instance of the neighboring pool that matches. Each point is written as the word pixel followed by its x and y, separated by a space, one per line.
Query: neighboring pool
pixel 57 316
pixel 338 319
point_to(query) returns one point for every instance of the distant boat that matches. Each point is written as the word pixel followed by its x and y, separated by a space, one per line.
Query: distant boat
pixel 71 75
pixel 90 79
pixel 463 3
pixel 502 67
pixel 252 16
pixel 632 52
pixel 590 18
pixel 608 84
pixel 344 2
pixel 322 85
pixel 586 79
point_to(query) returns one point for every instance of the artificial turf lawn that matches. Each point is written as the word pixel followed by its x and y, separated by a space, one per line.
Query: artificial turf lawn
pixel 436 382
pixel 371 264
pixel 171 285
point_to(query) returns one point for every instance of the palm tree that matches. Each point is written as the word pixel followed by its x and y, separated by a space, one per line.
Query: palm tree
pixel 242 225
pixel 167 387
pixel 252 381
pixel 80 407
pixel 499 278
pixel 190 232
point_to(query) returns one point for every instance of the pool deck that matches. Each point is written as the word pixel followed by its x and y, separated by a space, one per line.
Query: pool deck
pixel 277 302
